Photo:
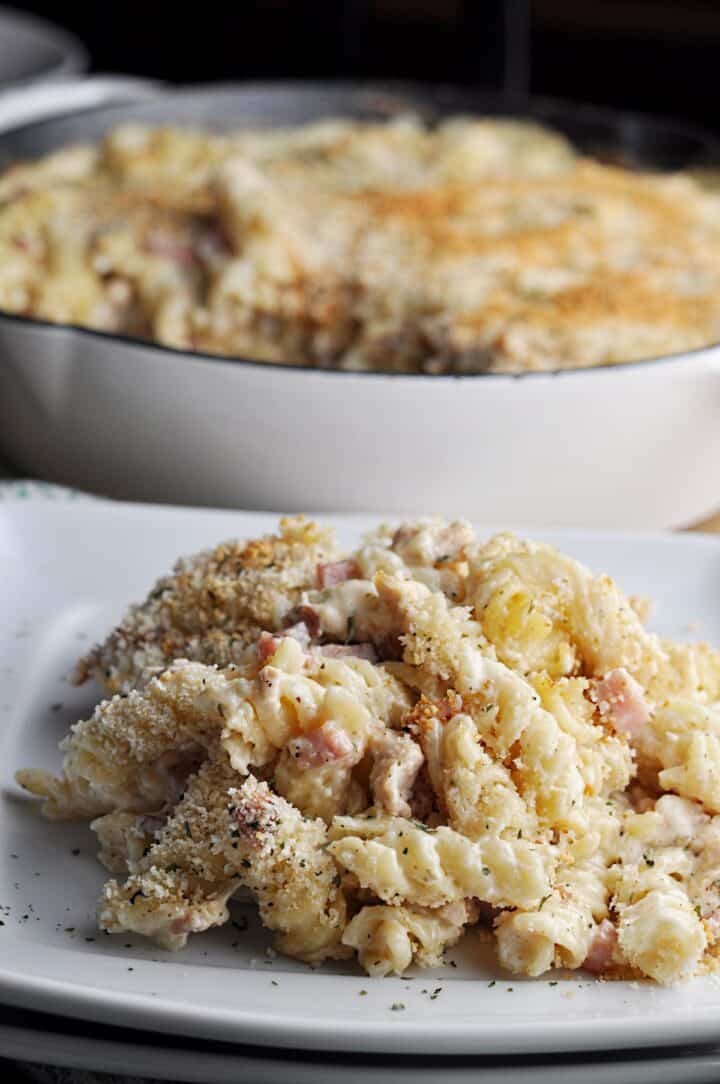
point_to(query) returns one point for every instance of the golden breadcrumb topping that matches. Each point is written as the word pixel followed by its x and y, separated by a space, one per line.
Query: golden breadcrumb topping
pixel 211 606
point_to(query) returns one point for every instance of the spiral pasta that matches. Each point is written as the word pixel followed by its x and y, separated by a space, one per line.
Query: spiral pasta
pixel 389 939
pixel 399 860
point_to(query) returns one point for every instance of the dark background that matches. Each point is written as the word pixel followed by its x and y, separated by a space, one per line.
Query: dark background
pixel 660 56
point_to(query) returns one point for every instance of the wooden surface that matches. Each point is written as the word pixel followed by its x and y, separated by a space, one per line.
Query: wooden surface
pixel 712 524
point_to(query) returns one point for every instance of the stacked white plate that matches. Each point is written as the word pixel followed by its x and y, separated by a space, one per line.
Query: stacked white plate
pixel 130 1053
pixel 227 1006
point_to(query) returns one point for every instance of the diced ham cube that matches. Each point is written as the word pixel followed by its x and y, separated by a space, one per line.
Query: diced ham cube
pixel 621 700
pixel 182 924
pixel 342 651
pixel 267 645
pixel 602 947
pixel 322 746
pixel 302 615
pixel 335 572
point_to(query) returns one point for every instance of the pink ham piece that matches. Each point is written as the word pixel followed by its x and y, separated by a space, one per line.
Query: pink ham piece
pixel 336 572
pixel 322 746
pixel 343 651
pixel 267 645
pixel 602 948
pixel 182 924
pixel 304 616
pixel 621 700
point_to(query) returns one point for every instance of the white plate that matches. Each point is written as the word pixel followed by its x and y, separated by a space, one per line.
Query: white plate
pixel 67 571
pixel 56 1041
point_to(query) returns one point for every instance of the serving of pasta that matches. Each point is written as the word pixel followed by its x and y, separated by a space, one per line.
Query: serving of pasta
pixel 388 747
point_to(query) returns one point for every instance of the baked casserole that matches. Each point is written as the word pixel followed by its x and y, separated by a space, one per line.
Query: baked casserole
pixel 474 245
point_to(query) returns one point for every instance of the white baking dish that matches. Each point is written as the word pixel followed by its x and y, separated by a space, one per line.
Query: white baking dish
pixel 634 445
